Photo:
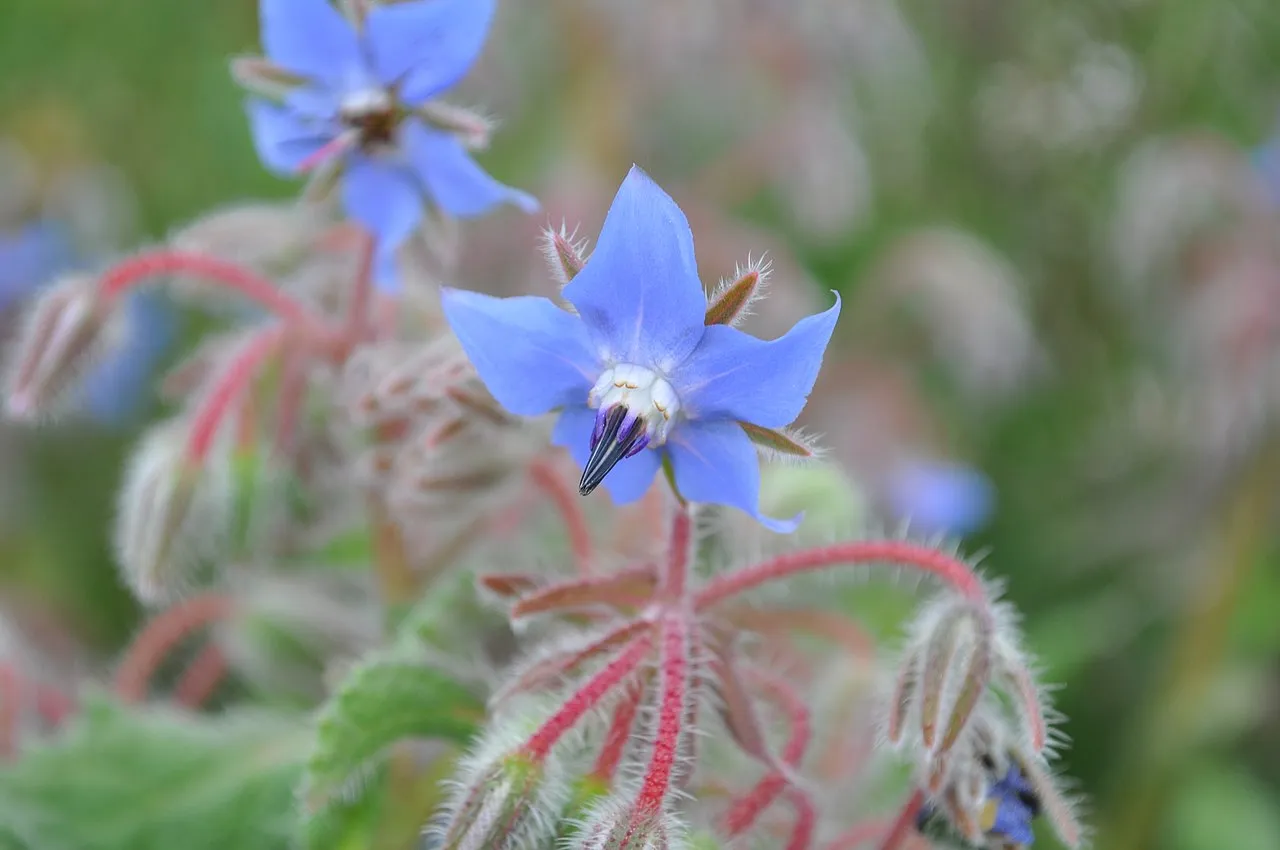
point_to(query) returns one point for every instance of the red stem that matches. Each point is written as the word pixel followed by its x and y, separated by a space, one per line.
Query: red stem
pixel 201 677
pixel 945 567
pixel 159 636
pixel 570 508
pixel 905 822
pixel 619 734
pixel 675 582
pixel 806 820
pixel 673 668
pixel 587 697
pixel 227 387
pixel 10 709
pixel 139 268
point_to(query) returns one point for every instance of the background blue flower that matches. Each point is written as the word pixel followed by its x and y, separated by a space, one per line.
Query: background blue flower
pixel 355 101
pixel 640 379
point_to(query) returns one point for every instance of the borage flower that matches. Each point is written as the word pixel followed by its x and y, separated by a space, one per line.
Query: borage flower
pixel 354 97
pixel 639 375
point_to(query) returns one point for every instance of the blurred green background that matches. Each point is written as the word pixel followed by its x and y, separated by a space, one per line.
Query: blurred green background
pixel 1057 229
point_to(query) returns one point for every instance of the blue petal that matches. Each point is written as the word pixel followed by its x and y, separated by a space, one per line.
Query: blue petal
pixel 309 37
pixel 715 462
pixel 115 389
pixel 453 180
pixel 733 375
pixel 627 481
pixel 532 355
pixel 283 137
pixel 1012 821
pixel 639 293
pixel 426 46
pixel 383 197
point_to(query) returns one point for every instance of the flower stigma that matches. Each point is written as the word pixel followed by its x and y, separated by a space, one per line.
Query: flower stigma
pixel 371 112
pixel 635 409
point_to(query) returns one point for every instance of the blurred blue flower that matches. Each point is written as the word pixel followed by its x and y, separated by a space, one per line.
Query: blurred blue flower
pixel 941 498
pixel 115 388
pixel 1011 806
pixel 356 100
pixel 29 256
pixel 640 379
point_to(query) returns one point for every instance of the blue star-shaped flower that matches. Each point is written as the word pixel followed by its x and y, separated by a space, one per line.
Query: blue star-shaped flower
pixel 637 374
pixel 355 98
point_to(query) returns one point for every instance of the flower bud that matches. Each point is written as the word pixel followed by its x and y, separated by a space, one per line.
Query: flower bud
pixel 66 330
pixel 616 824
pixel 171 514
pixel 507 801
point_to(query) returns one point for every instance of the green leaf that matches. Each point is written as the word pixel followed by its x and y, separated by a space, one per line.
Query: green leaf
pixel 156 779
pixel 380 702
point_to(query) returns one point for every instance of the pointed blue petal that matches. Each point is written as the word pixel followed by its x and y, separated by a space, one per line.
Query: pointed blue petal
pixel 715 462
pixel 627 481
pixel 309 37
pixel 639 292
pixel 453 180
pixel 733 375
pixel 283 138
pixel 532 355
pixel 426 46
pixel 383 197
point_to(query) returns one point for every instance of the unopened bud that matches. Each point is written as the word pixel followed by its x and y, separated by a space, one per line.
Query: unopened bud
pixel 615 824
pixel 171 514
pixel 565 253
pixel 67 329
pixel 732 300
pixel 511 802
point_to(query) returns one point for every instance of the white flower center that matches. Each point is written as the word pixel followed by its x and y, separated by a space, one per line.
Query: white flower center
pixel 645 395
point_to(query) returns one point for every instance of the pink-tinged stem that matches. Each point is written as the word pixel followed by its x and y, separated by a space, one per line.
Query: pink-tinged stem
pixel 944 567
pixel 324 153
pixel 675 580
pixel 904 823
pixel 362 293
pixel 160 636
pixel 630 587
pixel 673 672
pixel 11 688
pixel 806 823
pixel 859 834
pixel 619 734
pixel 568 662
pixel 1030 701
pixel 745 811
pixel 237 278
pixel 201 677
pixel 587 697
pixel 226 389
pixel 568 505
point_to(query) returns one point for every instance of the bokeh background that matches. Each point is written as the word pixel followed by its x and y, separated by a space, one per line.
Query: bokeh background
pixel 1056 227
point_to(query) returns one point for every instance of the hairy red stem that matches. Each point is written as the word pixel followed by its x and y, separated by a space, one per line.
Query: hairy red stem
pixel 575 522
pixel 945 567
pixel 226 389
pixel 806 823
pixel 159 636
pixel 248 283
pixel 587 697
pixel 673 667
pixel 675 580
pixel 619 734
pixel 565 663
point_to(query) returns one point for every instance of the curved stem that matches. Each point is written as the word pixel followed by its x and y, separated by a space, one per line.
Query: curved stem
pixel 201 677
pixel 227 388
pixel 942 566
pixel 137 269
pixel 159 636
pixel 905 822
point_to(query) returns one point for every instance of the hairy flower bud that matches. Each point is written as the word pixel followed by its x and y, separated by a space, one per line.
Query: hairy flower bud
pixel 505 799
pixel 171 514
pixel 615 824
pixel 66 330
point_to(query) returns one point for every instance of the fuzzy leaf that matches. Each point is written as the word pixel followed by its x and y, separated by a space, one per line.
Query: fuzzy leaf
pixel 381 702
pixel 149 779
